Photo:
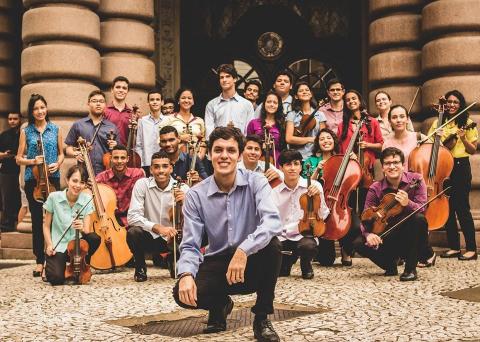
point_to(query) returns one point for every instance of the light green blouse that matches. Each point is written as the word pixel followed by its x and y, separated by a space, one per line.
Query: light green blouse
pixel 313 161
pixel 63 214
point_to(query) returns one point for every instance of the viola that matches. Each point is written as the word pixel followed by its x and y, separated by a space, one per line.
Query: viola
pixel 268 146
pixel 107 157
pixel 134 159
pixel 365 163
pixel 378 217
pixel 43 188
pixel 311 223
pixel 113 250
pixel 435 163
pixel 452 139
pixel 308 122
pixel 77 268
pixel 341 175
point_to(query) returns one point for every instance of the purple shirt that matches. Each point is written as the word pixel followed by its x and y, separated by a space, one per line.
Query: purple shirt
pixel 255 127
pixel 417 196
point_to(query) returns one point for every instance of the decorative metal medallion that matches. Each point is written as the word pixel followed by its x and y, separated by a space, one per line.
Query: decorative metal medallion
pixel 270 45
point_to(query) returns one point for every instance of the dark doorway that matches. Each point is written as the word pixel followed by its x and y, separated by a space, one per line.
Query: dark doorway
pixel 315 36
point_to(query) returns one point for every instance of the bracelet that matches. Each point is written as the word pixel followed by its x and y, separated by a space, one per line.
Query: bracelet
pixel 185 274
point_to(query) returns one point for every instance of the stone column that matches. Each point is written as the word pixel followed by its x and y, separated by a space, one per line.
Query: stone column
pixel 8 60
pixel 127 42
pixel 450 60
pixel 395 56
pixel 60 60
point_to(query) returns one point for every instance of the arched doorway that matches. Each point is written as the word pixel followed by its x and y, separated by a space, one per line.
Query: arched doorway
pixel 307 39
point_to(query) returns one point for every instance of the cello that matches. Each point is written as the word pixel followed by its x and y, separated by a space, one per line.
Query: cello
pixel 311 224
pixel 43 188
pixel 269 158
pixel 133 157
pixel 341 175
pixel 435 163
pixel 113 250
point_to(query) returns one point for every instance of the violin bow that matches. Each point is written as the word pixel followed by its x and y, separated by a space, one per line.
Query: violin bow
pixel 446 123
pixel 75 218
pixel 414 99
pixel 385 233
pixel 174 240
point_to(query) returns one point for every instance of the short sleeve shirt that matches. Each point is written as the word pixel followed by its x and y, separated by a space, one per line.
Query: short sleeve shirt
pixel 296 117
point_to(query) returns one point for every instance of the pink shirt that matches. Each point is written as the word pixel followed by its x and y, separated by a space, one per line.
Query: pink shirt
pixel 406 145
pixel 334 117
pixel 119 119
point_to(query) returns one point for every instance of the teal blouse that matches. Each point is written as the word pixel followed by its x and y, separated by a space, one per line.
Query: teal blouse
pixel 63 214
pixel 313 162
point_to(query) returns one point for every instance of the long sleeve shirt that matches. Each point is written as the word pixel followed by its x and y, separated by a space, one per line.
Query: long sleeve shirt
pixel 288 203
pixel 150 204
pixel 244 218
pixel 417 196
pixel 147 137
pixel 220 111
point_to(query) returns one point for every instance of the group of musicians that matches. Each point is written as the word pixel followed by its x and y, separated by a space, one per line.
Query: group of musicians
pixel 240 215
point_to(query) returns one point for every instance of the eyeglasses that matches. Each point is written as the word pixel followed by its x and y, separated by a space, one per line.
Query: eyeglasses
pixel 392 163
pixel 335 90
pixel 97 101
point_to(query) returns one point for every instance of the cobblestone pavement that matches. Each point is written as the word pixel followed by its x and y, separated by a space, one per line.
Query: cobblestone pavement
pixel 363 306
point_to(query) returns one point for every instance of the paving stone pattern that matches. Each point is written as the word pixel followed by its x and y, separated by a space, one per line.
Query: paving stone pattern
pixel 363 306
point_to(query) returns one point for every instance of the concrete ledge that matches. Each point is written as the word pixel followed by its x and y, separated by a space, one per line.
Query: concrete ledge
pixel 395 65
pixel 17 240
pixel 395 30
pixel 17 253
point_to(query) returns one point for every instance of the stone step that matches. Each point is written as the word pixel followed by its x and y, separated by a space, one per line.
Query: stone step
pixel 17 240
pixel 438 238
pixel 16 253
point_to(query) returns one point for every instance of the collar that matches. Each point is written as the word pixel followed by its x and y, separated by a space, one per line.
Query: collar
pixel 235 97
pixel 63 197
pixel 126 109
pixel 111 174
pixel 160 118
pixel 403 180
pixel 47 127
pixel 240 180
pixel 259 168
pixel 182 156
pixel 302 183
pixel 190 120
pixel 288 100
pixel 153 184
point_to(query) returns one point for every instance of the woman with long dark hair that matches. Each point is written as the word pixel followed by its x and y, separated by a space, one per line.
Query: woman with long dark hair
pixel 303 104
pixel 461 146
pixel 271 120
pixel 325 145
pixel 39 128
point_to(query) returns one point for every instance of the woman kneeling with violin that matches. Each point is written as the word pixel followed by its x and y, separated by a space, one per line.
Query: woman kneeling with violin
pixel 67 214
pixel 393 223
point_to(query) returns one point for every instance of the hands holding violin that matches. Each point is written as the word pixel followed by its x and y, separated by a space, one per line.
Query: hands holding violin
pixel 52 168
pixel 402 198
pixel 271 175
pixel 167 232
pixel 193 176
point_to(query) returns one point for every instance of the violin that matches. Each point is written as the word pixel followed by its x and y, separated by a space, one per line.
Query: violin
pixel 134 159
pixel 43 188
pixel 113 250
pixel 77 268
pixel 365 161
pixel 341 175
pixel 268 146
pixel 452 139
pixel 311 223
pixel 435 163
pixel 308 122
pixel 108 156
pixel 378 217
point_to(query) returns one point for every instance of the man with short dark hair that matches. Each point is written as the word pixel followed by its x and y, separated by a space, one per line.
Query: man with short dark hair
pixel 100 133
pixel 118 111
pixel 9 171
pixel 181 161
pixel 282 86
pixel 121 179
pixel 252 91
pixel 168 107
pixel 405 239
pixel 148 128
pixel 234 209
pixel 333 110
pixel 229 108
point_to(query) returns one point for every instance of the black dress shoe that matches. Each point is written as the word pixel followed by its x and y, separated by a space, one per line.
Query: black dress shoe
pixel 464 258
pixel 217 321
pixel 408 276
pixel 37 274
pixel 307 270
pixel 344 261
pixel 450 255
pixel 308 275
pixel 391 272
pixel 140 274
pixel 263 331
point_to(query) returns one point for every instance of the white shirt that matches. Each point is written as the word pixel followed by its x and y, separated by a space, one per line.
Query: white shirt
pixel 219 112
pixel 288 203
pixel 260 168
pixel 147 137
pixel 150 204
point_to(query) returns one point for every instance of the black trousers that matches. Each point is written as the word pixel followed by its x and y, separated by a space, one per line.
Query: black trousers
pixel 402 242
pixel 305 248
pixel 10 198
pixel 140 241
pixel 261 276
pixel 461 181
pixel 55 264
pixel 36 210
